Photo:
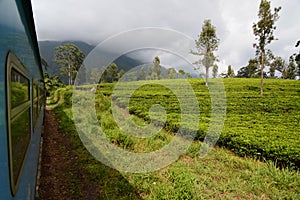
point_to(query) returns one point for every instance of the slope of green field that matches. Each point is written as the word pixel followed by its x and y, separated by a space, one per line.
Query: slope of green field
pixel 219 175
pixel 263 127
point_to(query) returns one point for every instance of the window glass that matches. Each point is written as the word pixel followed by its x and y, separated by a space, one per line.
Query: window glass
pixel 34 90
pixel 19 88
pixel 20 137
pixel 19 119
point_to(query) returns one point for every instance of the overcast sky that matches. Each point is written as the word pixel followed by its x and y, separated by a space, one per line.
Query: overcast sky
pixel 93 21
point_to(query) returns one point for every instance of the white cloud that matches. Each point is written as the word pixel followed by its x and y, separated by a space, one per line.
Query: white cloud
pixel 93 21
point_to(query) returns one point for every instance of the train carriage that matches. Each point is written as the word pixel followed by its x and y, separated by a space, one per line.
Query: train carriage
pixel 21 100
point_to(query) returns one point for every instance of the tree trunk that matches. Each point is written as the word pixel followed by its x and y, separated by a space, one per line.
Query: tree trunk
pixel 69 74
pixel 262 73
pixel 206 76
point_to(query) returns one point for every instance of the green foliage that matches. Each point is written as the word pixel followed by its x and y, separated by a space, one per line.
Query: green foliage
pixel 112 72
pixel 69 58
pixel 259 127
pixel 19 93
pixel 52 83
pixel 264 33
pixel 108 74
pixel 277 63
pixel 215 71
pixel 60 96
pixel 250 71
pixel 292 71
pixel 171 73
pixel 264 28
pixel 221 174
pixel 156 72
pixel 180 185
pixel 206 44
pixel 229 74
pixel 263 127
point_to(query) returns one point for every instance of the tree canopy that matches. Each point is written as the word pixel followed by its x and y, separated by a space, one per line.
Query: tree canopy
pixel 206 44
pixel 264 32
pixel 69 58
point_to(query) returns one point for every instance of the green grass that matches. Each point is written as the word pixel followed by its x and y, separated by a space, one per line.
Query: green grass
pixel 266 125
pixel 262 127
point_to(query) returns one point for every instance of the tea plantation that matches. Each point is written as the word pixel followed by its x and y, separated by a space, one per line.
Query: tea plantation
pixel 264 127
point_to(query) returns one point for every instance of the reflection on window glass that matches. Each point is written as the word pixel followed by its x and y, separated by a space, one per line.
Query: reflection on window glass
pixel 19 110
pixel 20 138
pixel 35 112
pixel 19 88
pixel 41 98
pixel 34 90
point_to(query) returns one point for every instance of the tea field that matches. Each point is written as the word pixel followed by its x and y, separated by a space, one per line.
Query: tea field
pixel 262 127
pixel 255 129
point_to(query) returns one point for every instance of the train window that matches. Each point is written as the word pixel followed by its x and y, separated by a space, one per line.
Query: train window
pixel 20 137
pixel 18 106
pixel 19 88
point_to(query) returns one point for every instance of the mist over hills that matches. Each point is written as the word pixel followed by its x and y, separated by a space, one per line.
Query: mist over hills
pixel 47 53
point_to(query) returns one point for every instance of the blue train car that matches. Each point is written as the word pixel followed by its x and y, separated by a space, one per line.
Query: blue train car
pixel 21 100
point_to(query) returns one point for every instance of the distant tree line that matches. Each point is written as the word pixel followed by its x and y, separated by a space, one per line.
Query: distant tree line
pixel 155 72
pixel 278 68
pixel 151 72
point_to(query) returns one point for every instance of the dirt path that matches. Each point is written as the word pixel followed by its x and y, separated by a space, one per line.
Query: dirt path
pixel 62 176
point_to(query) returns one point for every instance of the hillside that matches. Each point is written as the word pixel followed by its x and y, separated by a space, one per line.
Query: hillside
pixel 47 52
pixel 264 128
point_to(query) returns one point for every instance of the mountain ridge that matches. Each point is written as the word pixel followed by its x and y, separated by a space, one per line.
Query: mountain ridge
pixel 47 49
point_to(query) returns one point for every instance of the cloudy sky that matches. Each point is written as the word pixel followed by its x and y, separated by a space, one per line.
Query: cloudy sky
pixel 93 21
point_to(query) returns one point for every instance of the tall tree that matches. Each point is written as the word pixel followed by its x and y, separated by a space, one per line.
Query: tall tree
pixel 297 59
pixel 181 73
pixel 95 75
pixel 121 73
pixel 269 59
pixel 171 73
pixel 112 72
pixel 142 74
pixel 277 64
pixel 69 59
pixel 272 70
pixel 250 71
pixel 230 72
pixel 253 66
pixel 157 67
pixel 188 74
pixel 264 32
pixel 150 73
pixel 104 75
pixel 215 70
pixel 291 71
pixel 206 44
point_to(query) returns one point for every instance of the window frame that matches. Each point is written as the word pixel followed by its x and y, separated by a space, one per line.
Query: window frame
pixel 13 63
pixel 35 104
